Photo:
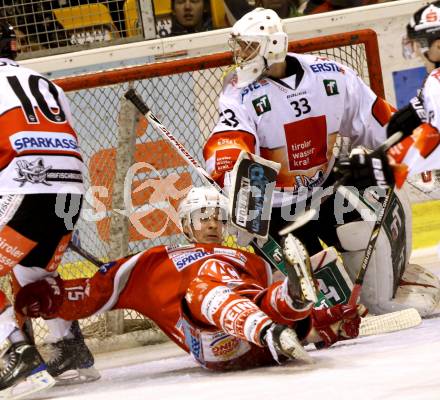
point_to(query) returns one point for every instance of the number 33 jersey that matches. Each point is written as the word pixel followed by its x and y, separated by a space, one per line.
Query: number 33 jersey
pixel 295 121
pixel 39 150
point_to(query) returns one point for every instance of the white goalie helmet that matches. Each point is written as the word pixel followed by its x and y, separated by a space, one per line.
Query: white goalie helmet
pixel 201 201
pixel 257 41
pixel 423 29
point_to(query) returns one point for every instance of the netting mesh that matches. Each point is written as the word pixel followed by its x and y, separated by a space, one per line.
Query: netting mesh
pixel 45 27
pixel 115 139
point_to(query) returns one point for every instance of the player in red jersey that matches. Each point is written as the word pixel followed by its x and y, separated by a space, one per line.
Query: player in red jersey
pixel 217 303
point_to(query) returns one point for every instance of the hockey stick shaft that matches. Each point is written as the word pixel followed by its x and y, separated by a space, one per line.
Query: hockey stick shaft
pixel 137 101
pixel 84 253
pixel 355 293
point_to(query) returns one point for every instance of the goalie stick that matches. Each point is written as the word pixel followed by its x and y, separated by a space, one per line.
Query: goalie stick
pixel 356 291
pixel 391 322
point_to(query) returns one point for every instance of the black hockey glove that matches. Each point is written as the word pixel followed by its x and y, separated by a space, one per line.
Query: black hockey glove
pixel 408 118
pixel 365 170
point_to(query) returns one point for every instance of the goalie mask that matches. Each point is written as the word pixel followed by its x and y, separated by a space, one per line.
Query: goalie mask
pixel 202 204
pixel 422 30
pixel 257 41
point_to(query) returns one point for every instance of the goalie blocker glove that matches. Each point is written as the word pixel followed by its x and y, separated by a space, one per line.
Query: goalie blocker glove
pixel 408 118
pixel 364 170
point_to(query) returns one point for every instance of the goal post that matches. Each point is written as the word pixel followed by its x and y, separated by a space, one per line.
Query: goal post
pixel 135 179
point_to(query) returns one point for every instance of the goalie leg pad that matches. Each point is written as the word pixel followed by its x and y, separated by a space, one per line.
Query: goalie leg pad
pixel 378 286
pixel 420 289
pixel 331 275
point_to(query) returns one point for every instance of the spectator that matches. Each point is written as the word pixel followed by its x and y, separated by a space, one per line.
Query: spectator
pixel 320 6
pixel 284 8
pixel 190 16
pixel 235 9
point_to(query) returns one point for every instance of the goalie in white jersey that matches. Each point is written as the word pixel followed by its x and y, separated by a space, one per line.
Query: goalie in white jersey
pixel 41 189
pixel 290 108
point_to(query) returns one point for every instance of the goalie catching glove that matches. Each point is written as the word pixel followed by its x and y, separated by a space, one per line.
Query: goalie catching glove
pixel 42 298
pixel 363 170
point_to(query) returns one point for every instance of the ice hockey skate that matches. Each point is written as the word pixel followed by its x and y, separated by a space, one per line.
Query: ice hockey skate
pixel 70 361
pixel 24 372
pixel 283 341
pixel 302 289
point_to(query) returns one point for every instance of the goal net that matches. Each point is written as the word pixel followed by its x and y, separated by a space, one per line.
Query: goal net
pixel 135 179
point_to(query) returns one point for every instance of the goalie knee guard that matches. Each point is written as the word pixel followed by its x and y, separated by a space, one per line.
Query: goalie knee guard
pixel 418 288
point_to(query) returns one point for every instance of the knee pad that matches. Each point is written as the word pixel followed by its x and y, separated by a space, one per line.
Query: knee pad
pixel 419 288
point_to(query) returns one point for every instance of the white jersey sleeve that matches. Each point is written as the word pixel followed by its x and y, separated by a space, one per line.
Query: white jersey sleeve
pixel 365 114
pixel 431 98
pixel 233 114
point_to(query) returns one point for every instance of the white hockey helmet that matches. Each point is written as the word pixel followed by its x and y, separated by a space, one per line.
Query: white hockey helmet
pixel 423 29
pixel 198 199
pixel 257 41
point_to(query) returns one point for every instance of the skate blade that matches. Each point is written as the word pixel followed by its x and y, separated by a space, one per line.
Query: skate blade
pixel 293 347
pixel 37 382
pixel 75 376
pixel 295 255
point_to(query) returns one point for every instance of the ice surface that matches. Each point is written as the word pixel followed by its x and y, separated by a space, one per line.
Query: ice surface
pixel 400 365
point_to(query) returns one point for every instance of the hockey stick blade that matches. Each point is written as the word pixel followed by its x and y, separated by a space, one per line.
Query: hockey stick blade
pixel 391 322
pixel 311 212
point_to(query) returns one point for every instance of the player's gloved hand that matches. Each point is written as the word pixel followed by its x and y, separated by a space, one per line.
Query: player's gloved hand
pixel 42 298
pixel 340 322
pixel 363 170
pixel 408 118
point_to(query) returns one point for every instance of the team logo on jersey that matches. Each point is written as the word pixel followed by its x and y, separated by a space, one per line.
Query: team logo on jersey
pixel 43 141
pixel 262 105
pixel 326 67
pixel 32 172
pixel 253 86
pixel 331 88
pixel 186 258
